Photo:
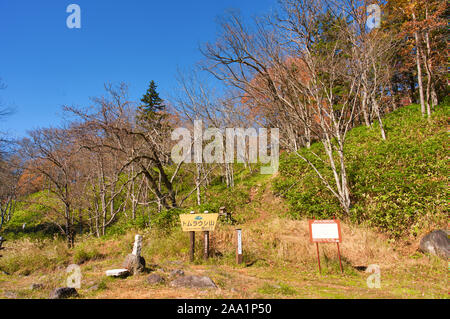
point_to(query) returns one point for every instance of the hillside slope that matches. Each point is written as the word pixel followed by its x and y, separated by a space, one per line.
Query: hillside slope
pixel 398 185
pixel 279 262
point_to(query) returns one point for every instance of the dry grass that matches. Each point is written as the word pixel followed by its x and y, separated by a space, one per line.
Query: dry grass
pixel 280 262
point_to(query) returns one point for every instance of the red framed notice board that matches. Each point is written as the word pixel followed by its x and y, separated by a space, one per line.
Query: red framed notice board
pixel 325 231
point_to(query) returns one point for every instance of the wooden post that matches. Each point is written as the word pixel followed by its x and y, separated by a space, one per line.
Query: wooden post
pixel 318 257
pixel 206 238
pixel 339 254
pixel 239 256
pixel 192 244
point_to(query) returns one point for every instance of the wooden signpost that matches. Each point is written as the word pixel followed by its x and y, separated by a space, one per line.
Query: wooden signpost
pixel 325 231
pixel 198 222
pixel 206 241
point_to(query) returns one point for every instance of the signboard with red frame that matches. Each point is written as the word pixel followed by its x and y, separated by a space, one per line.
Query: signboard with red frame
pixel 325 231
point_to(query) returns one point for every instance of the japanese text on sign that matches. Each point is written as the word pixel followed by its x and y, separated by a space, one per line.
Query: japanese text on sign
pixel 198 222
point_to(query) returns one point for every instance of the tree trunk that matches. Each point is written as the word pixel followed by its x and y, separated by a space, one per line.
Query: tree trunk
pixel 364 108
pixel 377 112
pixel 197 184
pixel 434 98
pixel 68 230
pixel 419 70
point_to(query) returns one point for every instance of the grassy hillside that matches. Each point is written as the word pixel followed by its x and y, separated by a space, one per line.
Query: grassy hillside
pixel 279 261
pixel 398 188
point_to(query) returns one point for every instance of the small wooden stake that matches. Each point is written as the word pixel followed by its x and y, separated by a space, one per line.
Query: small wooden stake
pixel 239 256
pixel 206 238
pixel 318 258
pixel 339 254
pixel 192 244
pixel 206 252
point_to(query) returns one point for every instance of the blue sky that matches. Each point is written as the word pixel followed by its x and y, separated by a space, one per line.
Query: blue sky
pixel 45 64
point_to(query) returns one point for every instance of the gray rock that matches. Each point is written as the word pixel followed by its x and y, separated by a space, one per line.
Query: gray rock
pixel 436 243
pixel 36 286
pixel 154 267
pixel 177 273
pixel 135 264
pixel 10 295
pixel 93 288
pixel 63 292
pixel 193 282
pixel 155 279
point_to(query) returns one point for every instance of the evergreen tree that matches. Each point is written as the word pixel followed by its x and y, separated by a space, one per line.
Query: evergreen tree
pixel 151 109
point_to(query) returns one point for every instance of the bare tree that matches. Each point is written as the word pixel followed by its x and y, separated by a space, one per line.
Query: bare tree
pixel 52 153
pixel 9 175
pixel 142 150
pixel 324 99
pixel 4 112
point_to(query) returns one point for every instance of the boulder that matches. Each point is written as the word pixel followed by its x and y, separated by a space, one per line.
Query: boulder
pixel 134 264
pixel 193 282
pixel 118 272
pixel 177 273
pixel 155 279
pixel 436 243
pixel 10 295
pixel 63 292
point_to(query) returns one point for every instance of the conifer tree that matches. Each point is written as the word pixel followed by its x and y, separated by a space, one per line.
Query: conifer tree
pixel 153 106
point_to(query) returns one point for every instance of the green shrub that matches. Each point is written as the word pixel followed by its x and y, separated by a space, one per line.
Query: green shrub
pixel 28 256
pixel 166 219
pixel 280 289
pixel 398 186
pixel 84 253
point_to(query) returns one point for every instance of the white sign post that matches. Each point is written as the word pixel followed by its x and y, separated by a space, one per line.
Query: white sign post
pixel 239 246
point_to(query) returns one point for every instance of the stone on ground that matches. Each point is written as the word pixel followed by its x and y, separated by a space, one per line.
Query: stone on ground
pixel 155 279
pixel 10 295
pixel 193 282
pixel 436 243
pixel 134 264
pixel 177 273
pixel 63 292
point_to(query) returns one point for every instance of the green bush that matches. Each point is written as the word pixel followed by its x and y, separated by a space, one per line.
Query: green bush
pixel 83 253
pixel 398 186
pixel 28 256
pixel 166 219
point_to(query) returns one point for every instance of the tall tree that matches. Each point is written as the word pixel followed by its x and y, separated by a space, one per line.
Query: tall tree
pixel 422 25
pixel 151 110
